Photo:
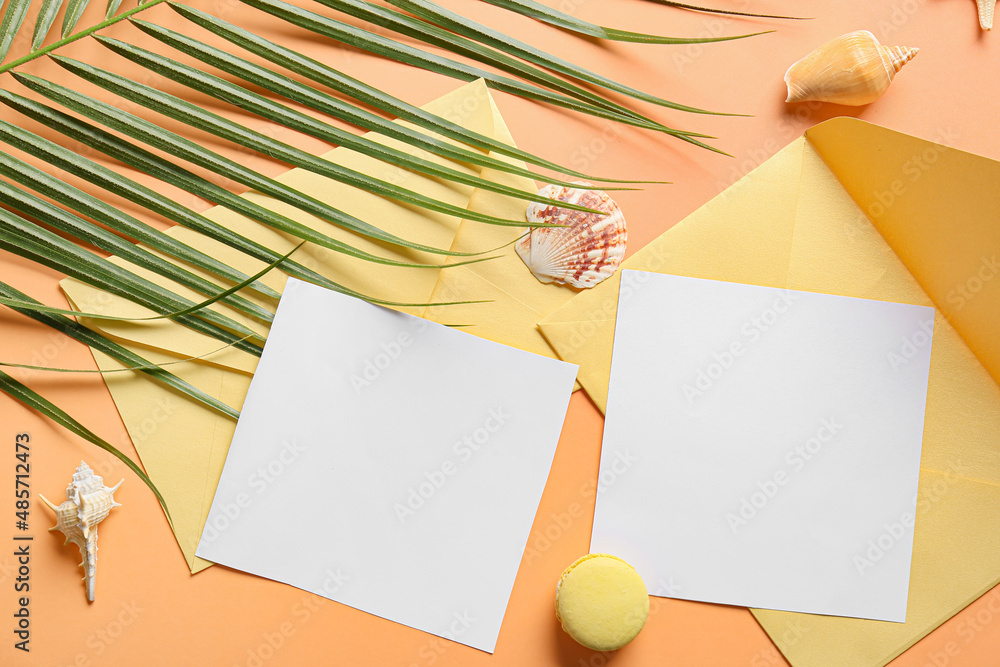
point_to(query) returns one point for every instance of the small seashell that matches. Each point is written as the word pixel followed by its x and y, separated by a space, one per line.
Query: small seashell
pixel 88 502
pixel 852 69
pixel 585 252
pixel 986 9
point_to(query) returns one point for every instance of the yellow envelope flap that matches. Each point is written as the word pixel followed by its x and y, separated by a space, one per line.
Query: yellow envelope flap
pixel 963 401
pixel 938 209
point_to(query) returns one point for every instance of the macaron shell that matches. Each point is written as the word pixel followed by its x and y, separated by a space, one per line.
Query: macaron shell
pixel 602 602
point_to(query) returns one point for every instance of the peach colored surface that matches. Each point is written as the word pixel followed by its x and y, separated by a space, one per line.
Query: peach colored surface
pixel 150 611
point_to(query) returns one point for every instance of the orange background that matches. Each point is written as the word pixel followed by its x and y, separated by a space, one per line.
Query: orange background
pixel 150 611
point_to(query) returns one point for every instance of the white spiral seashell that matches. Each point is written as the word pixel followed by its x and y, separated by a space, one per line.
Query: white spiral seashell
pixel 88 502
pixel 853 69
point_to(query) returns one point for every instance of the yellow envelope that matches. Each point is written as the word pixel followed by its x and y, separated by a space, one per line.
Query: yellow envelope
pixel 182 444
pixel 858 210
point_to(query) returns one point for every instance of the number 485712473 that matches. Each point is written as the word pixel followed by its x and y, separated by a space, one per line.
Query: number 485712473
pixel 22 471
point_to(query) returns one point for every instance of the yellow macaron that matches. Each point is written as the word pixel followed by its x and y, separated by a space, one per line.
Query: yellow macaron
pixel 602 602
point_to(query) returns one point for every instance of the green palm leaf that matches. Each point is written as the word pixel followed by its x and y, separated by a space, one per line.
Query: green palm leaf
pixel 35 242
pixel 105 371
pixel 94 208
pixel 88 232
pixel 325 75
pixel 153 201
pixel 156 166
pixel 458 24
pixel 266 108
pixel 188 150
pixel 464 37
pixel 727 12
pixel 540 12
pixel 43 22
pixel 34 306
pixel 74 10
pixel 389 48
pixel 11 24
pixel 109 347
pixel 193 115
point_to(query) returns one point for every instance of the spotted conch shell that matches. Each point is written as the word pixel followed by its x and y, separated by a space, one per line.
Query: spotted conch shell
pixel 585 252
pixel 88 502
pixel 852 69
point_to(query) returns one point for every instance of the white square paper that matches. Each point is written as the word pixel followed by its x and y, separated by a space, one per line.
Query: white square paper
pixel 389 463
pixel 762 446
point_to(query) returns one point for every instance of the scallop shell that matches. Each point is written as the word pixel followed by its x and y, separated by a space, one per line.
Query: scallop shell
pixel 852 69
pixel 986 9
pixel 88 502
pixel 585 252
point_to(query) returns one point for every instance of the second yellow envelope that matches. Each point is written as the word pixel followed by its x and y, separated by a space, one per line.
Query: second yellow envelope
pixel 857 210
